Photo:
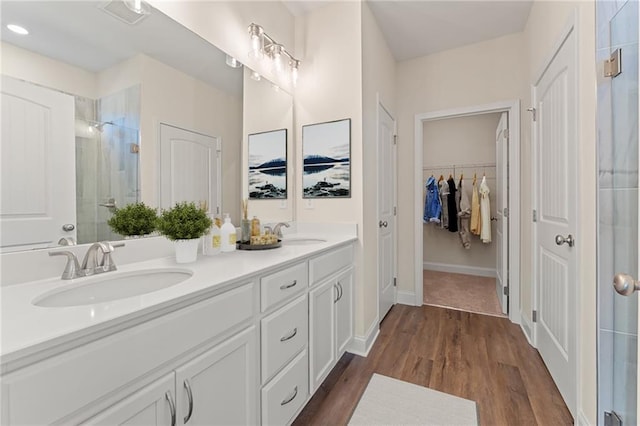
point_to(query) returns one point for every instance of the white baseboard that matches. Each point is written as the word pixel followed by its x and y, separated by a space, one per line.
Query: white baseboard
pixel 525 325
pixel 406 297
pixel 460 269
pixel 362 345
pixel 581 419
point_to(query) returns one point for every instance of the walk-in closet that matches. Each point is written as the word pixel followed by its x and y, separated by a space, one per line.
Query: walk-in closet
pixel 465 183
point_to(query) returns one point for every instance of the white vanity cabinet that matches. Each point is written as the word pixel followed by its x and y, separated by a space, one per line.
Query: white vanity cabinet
pixel 330 312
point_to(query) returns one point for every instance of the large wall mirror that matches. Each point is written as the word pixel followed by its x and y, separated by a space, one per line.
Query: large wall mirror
pixel 102 107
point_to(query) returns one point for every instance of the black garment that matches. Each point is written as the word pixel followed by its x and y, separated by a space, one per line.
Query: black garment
pixel 451 206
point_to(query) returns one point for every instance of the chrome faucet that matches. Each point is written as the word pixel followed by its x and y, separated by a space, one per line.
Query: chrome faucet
pixel 96 261
pixel 277 229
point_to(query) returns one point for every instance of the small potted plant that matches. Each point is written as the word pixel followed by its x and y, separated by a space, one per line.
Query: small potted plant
pixel 184 224
pixel 133 220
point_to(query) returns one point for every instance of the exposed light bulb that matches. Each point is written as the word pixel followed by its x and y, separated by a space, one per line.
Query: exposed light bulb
pixel 18 29
pixel 294 72
pixel 276 55
pixel 257 41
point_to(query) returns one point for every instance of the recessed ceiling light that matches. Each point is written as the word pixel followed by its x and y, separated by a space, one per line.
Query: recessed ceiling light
pixel 17 29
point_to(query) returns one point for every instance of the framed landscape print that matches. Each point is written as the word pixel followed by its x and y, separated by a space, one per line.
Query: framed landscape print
pixel 268 165
pixel 326 153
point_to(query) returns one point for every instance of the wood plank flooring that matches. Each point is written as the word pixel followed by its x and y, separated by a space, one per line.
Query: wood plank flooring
pixel 483 358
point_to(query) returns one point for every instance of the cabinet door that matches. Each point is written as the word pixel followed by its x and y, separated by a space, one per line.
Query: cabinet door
pixel 152 405
pixel 344 311
pixel 220 387
pixel 322 340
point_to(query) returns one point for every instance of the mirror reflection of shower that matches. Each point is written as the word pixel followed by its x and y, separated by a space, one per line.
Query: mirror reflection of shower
pixel 107 160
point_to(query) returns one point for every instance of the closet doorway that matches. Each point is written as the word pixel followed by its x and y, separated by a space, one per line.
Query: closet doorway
pixel 457 264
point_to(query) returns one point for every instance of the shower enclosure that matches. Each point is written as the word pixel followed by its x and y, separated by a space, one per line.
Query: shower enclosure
pixel 617 125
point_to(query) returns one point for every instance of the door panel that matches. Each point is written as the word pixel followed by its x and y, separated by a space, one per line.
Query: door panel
pixel 502 224
pixel 189 168
pixel 344 311
pixel 322 340
pixel 555 100
pixel 38 166
pixel 386 217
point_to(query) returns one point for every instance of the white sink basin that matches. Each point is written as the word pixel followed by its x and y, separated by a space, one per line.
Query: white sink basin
pixel 112 286
pixel 295 241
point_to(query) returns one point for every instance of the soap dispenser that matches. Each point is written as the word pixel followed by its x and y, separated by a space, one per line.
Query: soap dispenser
pixel 228 235
pixel 211 245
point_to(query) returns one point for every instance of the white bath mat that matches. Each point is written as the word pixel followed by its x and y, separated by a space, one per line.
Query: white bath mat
pixel 388 401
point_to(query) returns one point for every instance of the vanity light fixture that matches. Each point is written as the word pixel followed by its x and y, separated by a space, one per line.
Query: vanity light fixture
pixel 17 29
pixel 233 62
pixel 264 46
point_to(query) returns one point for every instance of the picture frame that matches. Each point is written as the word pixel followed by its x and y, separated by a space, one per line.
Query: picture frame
pixel 267 171
pixel 326 157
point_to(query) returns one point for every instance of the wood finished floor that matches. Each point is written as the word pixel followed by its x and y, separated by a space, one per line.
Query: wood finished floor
pixel 483 358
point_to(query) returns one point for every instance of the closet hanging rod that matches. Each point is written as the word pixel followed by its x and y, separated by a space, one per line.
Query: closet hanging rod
pixel 460 166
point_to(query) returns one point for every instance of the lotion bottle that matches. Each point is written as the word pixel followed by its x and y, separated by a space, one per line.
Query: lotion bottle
pixel 227 235
pixel 211 244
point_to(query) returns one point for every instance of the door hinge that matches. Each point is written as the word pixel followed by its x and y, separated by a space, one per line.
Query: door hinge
pixel 505 212
pixel 395 282
pixel 505 290
pixel 613 65
pixel 395 211
pixel 533 111
pixel 506 133
pixel 395 139
pixel 535 215
pixel 534 316
pixel 611 418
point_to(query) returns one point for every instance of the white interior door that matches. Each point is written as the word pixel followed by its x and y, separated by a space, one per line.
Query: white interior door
pixel 502 224
pixel 189 168
pixel 38 166
pixel 386 214
pixel 555 103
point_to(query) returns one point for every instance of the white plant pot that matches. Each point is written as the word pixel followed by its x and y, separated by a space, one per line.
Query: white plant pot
pixel 186 250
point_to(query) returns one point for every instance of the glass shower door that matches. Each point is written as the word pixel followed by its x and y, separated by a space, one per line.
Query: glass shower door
pixel 618 215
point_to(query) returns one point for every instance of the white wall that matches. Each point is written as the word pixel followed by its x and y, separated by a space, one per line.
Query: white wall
pixel 481 73
pixel 461 140
pixel 378 82
pixel 26 65
pixel 546 22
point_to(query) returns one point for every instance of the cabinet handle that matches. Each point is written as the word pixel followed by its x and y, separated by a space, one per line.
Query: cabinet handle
pixel 290 336
pixel 286 286
pixel 172 407
pixel 337 293
pixel 340 290
pixel 291 398
pixel 187 386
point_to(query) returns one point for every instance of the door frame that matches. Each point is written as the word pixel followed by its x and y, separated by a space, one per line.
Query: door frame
pixel 571 27
pixel 394 185
pixel 513 109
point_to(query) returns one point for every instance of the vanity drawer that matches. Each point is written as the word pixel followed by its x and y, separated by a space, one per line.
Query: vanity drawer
pixel 284 334
pixel 286 393
pixel 282 284
pixel 322 266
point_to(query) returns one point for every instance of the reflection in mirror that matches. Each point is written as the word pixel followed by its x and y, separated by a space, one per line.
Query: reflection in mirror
pixel 117 85
pixel 267 125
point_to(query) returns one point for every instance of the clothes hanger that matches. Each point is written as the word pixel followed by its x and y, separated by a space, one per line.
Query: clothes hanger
pixel 440 179
pixel 475 178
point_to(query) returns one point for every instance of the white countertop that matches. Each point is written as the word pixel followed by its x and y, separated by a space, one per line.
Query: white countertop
pixel 28 329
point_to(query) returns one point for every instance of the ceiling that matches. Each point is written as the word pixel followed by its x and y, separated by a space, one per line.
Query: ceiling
pixel 80 33
pixel 415 28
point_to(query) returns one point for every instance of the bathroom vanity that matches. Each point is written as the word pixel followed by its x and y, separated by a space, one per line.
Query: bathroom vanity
pixel 246 339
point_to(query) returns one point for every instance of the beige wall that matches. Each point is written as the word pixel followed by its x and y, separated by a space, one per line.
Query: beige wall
pixel 481 73
pixel 546 22
pixel 265 109
pixel 378 81
pixel 26 65
pixel 463 140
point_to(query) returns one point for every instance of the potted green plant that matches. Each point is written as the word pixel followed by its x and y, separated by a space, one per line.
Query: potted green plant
pixel 135 219
pixel 184 224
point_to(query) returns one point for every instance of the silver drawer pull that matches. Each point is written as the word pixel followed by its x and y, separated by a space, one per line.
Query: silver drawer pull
pixel 290 336
pixel 187 387
pixel 286 286
pixel 291 398
pixel 172 407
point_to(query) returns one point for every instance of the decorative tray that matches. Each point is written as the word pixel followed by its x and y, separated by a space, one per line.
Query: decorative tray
pixel 246 246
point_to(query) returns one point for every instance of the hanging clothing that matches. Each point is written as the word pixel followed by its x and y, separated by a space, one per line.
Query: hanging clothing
pixel 444 196
pixel 485 212
pixel 432 207
pixel 476 224
pixel 464 215
pixel 451 206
